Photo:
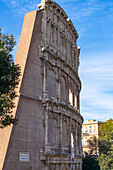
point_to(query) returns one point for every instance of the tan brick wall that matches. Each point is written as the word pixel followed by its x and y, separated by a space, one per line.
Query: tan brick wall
pixel 21 59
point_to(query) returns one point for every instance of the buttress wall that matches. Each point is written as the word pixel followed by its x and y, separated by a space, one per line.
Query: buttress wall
pixel 27 135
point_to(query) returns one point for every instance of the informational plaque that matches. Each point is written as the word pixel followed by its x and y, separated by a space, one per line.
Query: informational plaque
pixel 24 157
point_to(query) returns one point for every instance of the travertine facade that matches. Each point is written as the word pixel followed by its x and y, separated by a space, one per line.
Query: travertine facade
pixel 48 134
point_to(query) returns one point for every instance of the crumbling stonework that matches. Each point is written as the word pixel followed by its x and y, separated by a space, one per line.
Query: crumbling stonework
pixel 48 134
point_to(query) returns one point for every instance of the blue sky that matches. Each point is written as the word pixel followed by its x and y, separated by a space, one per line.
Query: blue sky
pixel 93 20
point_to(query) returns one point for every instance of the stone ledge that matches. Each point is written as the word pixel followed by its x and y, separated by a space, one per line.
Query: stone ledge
pixel 49 158
pixel 58 107
pixel 51 56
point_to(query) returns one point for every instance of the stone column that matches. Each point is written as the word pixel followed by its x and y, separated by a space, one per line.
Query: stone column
pixel 71 166
pixel 76 138
pixel 69 135
pixel 67 100
pixel 66 50
pixel 57 166
pixel 80 139
pixel 44 26
pixel 44 92
pixel 81 165
pixel 58 46
pixel 73 94
pixel 46 167
pixel 58 85
pixel 60 136
pixel 60 166
pixel 78 101
pixel 46 129
pixel 77 166
pixel 67 91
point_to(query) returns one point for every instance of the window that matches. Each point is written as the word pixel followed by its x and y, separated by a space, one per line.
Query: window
pixel 94 129
pixel 86 130
pixel 90 130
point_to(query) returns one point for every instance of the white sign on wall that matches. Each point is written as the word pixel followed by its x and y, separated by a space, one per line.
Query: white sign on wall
pixel 24 157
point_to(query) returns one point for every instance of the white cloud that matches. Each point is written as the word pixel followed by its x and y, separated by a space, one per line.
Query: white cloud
pixel 96 116
pixel 21 6
pixel 97 92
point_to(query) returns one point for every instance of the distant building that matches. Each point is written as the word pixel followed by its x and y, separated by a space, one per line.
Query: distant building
pixel 90 131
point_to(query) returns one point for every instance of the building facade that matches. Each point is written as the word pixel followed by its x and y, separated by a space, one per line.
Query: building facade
pixel 48 134
pixel 90 131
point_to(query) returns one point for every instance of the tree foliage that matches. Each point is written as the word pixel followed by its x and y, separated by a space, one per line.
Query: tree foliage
pixel 93 145
pixel 105 129
pixel 105 137
pixel 90 163
pixel 106 160
pixel 106 145
pixel 9 79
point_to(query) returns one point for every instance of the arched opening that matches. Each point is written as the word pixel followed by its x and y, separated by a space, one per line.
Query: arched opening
pixel 72 140
pixel 70 94
pixel 53 131
pixel 75 97
pixel 51 83
pixel 63 88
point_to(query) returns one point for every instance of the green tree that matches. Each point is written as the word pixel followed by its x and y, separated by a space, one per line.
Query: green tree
pixel 9 79
pixel 106 160
pixel 105 129
pixel 105 136
pixel 90 163
pixel 106 145
pixel 93 145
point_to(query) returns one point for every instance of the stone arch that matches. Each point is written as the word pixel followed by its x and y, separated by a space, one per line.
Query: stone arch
pixel 53 129
pixel 78 138
pixel 70 93
pixel 73 135
pixel 65 139
pixel 63 88
pixel 51 82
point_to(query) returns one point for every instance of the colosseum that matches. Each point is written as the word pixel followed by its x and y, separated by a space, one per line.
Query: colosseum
pixel 48 134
